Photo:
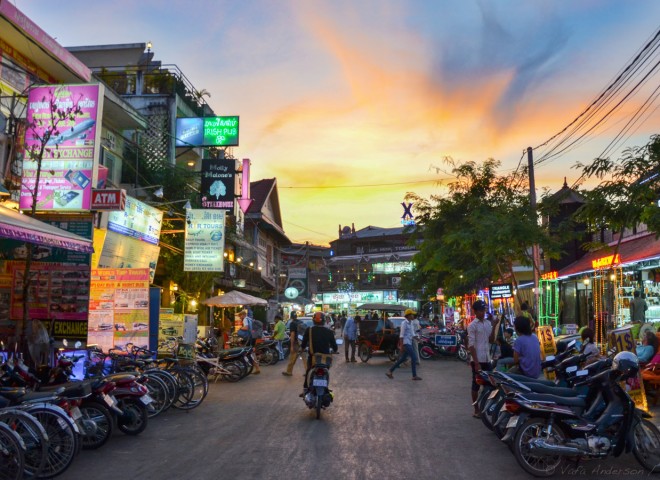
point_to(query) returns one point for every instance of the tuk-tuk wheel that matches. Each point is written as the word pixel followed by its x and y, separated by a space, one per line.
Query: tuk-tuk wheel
pixel 364 352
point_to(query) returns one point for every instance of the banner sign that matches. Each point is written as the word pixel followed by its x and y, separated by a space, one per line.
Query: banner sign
pixel 501 291
pixel 623 340
pixel 122 252
pixel 218 187
pixel 445 340
pixel 138 220
pixel 119 307
pixel 204 241
pixel 109 199
pixel 207 132
pixel 69 168
pixel 353 297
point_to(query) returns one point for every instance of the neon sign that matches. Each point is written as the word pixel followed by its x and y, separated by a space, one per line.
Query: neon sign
pixel 605 261
pixel 550 275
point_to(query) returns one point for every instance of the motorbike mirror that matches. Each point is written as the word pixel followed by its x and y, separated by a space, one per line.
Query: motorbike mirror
pixel 340 341
pixel 572 369
pixel 582 373
pixel 78 344
pixel 65 343
pixel 549 358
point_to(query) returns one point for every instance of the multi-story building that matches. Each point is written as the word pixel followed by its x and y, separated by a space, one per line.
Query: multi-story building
pixel 365 266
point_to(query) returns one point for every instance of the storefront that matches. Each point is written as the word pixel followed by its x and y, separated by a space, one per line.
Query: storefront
pixel 349 301
pixel 601 284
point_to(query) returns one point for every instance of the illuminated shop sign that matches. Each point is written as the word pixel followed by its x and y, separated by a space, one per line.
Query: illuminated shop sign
pixel 392 267
pixel 605 261
pixel 550 275
pixel 207 132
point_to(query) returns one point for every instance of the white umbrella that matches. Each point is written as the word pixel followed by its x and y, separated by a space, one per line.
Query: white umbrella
pixel 234 299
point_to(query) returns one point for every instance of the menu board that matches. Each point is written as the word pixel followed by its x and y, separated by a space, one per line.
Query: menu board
pixel 119 307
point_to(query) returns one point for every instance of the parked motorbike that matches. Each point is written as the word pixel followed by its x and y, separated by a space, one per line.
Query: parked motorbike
pixel 428 348
pixel 318 395
pixel 547 429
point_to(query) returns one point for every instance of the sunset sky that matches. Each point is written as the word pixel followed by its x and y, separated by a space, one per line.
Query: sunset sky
pixel 363 98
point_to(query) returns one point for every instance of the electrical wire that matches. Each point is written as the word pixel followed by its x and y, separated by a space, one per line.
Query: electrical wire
pixel 366 185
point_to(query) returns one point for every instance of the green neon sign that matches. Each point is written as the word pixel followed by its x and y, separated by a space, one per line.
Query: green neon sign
pixel 220 131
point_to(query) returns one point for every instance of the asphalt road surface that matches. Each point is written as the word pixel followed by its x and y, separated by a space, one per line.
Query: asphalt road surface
pixel 376 428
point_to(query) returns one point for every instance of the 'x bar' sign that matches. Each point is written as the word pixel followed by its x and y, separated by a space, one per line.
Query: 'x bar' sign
pixel 407 214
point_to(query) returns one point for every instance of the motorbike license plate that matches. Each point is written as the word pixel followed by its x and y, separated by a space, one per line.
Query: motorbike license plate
pixel 493 394
pixel 513 422
pixel 110 401
pixel 75 413
pixel 319 382
pixel 146 399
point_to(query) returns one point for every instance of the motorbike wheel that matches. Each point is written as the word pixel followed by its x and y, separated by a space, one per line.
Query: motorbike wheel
pixel 265 356
pixel 463 353
pixel 135 417
pixel 393 355
pixel 486 413
pixel 425 353
pixel 646 447
pixel 100 415
pixel 235 372
pixel 34 436
pixel 541 465
pixel 275 356
pixel 364 352
pixel 61 434
pixel 319 403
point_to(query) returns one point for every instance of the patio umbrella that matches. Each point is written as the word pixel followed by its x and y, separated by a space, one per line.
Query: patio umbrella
pixel 234 299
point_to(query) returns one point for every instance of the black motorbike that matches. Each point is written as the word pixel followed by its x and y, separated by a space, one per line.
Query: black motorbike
pixel 318 394
pixel 547 429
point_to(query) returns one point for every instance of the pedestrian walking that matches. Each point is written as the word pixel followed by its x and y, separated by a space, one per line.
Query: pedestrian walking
pixel 480 335
pixel 406 347
pixel 279 334
pixel 294 344
pixel 417 328
pixel 350 336
pixel 638 308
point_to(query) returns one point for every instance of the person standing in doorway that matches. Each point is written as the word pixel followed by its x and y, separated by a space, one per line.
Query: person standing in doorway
pixel 294 345
pixel 638 308
pixel 406 347
pixel 350 336
pixel 480 335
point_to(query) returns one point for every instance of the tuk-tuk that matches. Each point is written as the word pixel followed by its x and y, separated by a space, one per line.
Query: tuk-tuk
pixel 380 335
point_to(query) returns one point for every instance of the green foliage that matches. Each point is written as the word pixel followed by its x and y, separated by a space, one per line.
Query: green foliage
pixel 475 232
pixel 628 191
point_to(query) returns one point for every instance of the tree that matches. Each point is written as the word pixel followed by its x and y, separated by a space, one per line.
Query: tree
pixel 627 193
pixel 476 232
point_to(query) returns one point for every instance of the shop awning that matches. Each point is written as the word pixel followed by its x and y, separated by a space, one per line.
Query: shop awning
pixel 638 249
pixel 27 229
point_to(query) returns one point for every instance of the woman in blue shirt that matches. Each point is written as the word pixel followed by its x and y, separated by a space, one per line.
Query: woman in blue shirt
pixel 526 349
pixel 648 348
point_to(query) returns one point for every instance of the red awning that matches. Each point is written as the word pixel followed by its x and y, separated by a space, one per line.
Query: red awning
pixel 27 229
pixel 630 251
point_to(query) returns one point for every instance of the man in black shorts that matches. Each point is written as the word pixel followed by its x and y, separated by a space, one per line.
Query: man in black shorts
pixel 480 335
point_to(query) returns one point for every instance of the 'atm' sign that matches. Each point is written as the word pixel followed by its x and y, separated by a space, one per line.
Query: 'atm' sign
pixel 109 200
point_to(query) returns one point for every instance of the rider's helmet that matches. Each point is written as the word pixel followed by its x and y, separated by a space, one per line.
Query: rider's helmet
pixel 318 318
pixel 626 364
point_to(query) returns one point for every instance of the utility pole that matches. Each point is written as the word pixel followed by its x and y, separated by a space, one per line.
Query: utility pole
pixel 536 258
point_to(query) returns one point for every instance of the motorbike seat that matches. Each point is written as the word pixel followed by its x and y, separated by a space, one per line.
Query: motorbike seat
pixel 524 379
pixel 565 401
pixel 231 352
pixel 12 393
pixel 554 390
pixel 120 377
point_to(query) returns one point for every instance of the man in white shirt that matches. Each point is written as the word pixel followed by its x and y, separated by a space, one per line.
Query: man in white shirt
pixel 406 346
pixel 480 335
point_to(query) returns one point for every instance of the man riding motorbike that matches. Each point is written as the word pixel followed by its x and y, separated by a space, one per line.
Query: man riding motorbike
pixel 323 340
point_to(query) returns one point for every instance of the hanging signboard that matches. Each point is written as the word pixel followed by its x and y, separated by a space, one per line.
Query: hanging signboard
pixel 138 220
pixel 623 340
pixel 207 132
pixel 501 291
pixel 122 252
pixel 69 167
pixel 353 297
pixel 204 241
pixel 109 199
pixel 218 187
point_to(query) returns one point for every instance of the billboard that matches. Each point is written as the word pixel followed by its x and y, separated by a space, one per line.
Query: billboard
pixel 501 291
pixel 121 252
pixel 138 220
pixel 69 166
pixel 207 132
pixel 218 184
pixel 204 241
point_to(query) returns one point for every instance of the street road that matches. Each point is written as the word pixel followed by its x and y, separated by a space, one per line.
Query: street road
pixel 376 428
